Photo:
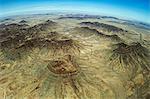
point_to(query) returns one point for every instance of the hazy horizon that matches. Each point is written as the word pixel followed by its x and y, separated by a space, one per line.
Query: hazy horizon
pixel 128 9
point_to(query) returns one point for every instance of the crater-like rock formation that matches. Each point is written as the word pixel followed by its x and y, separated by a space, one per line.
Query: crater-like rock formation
pixel 131 56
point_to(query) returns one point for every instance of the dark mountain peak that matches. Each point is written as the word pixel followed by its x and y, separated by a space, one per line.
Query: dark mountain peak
pixel 50 22
pixel 23 21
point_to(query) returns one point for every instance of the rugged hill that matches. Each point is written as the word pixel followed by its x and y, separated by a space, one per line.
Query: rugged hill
pixel 105 27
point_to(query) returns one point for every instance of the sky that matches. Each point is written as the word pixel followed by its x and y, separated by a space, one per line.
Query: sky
pixel 127 9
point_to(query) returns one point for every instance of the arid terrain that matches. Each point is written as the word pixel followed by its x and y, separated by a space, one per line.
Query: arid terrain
pixel 74 56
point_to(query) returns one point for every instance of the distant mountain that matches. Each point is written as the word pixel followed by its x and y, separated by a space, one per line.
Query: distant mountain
pixel 86 31
pixel 133 23
pixel 114 19
pixel 82 16
pixel 138 24
pixel 79 16
pixel 109 28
